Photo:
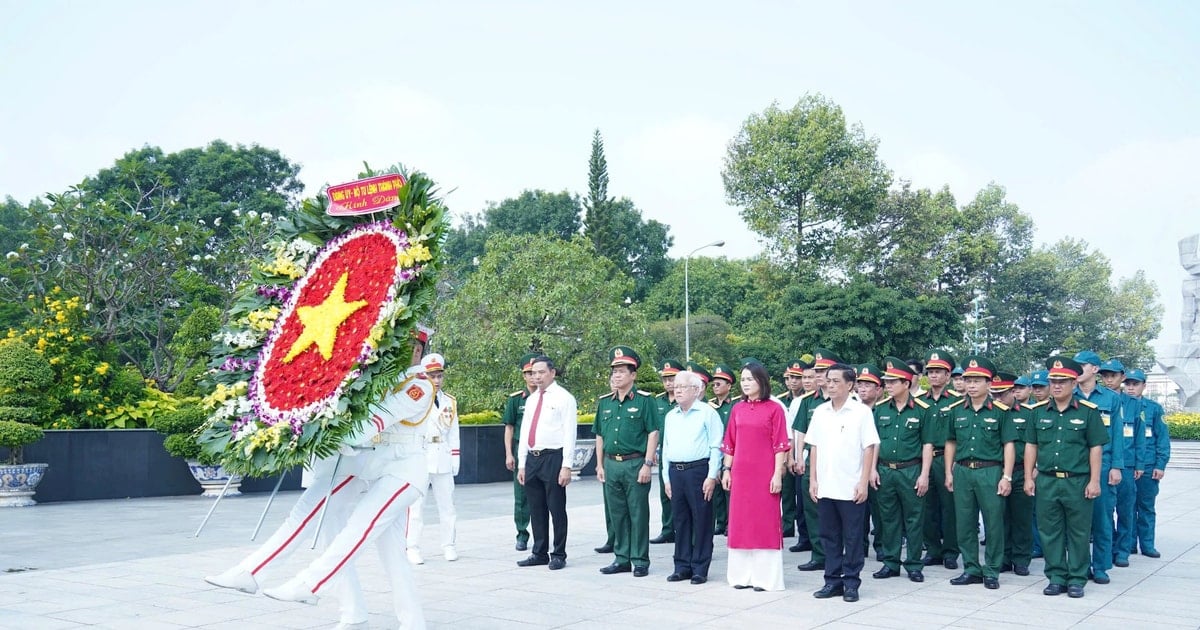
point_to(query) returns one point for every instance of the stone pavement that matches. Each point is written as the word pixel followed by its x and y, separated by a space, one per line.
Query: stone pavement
pixel 132 564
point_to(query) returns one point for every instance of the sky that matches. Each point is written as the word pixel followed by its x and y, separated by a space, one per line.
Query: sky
pixel 1086 112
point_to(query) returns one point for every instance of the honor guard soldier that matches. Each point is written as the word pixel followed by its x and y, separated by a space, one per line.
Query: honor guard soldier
pixel 979 464
pixel 722 401
pixel 1112 462
pixel 941 537
pixel 626 429
pixel 822 361
pixel 514 410
pixel 793 376
pixel 1064 440
pixel 1018 506
pixel 665 401
pixel 901 478
pixel 442 458
pixel 1152 462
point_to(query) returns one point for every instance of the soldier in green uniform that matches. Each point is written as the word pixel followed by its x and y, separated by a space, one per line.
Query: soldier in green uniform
pixel 665 401
pixel 514 409
pixel 721 383
pixel 798 456
pixel 1064 439
pixel 1039 391
pixel 793 390
pixel 868 386
pixel 1018 506
pixel 801 372
pixel 626 429
pixel 941 544
pixel 979 465
pixel 901 478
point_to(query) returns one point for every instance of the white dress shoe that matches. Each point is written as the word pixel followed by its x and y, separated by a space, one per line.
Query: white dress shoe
pixel 236 578
pixel 292 590
pixel 414 556
pixel 451 553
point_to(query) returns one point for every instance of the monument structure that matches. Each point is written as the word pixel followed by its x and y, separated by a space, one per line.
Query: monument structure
pixel 1183 364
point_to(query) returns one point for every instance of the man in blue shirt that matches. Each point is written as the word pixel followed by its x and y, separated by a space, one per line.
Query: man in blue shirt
pixel 1151 461
pixel 691 457
pixel 1128 422
pixel 1112 462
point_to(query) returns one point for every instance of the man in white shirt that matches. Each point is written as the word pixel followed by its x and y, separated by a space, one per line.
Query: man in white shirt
pixel 544 463
pixel 844 443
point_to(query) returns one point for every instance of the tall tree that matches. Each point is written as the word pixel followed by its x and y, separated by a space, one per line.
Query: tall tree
pixel 908 244
pixel 597 206
pixel 803 179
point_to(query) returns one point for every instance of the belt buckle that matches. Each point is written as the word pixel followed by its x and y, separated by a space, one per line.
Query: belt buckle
pixel 679 467
pixel 435 439
pixel 1062 475
pixel 892 465
pixel 972 465
pixel 619 458
pixel 377 439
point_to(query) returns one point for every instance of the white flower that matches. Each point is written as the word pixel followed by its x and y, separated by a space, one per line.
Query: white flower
pixel 178 241
pixel 266 216
pixel 253 214
pixel 217 221
pixel 201 221
pixel 237 213
pixel 209 257
pixel 68 236
pixel 58 226
pixel 196 257
pixel 12 255
pixel 23 247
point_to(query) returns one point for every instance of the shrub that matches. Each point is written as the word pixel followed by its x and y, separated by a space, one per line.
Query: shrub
pixel 1183 425
pixel 480 417
pixel 15 435
pixel 180 426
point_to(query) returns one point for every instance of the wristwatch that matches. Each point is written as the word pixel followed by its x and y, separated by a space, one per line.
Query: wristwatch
pixel 1007 478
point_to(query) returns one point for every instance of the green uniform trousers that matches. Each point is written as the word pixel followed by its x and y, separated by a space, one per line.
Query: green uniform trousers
pixel 720 510
pixel 940 534
pixel 668 527
pixel 1064 518
pixel 520 506
pixel 1018 522
pixel 811 520
pixel 788 497
pixel 902 516
pixel 975 494
pixel 628 504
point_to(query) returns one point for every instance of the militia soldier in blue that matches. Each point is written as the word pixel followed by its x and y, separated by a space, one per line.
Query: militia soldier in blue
pixel 514 410
pixel 721 383
pixel 1152 462
pixel 1112 462
pixel 901 478
pixel 1129 419
pixel 626 428
pixel 797 457
pixel 665 401
pixel 1064 440
pixel 941 539
pixel 1018 506
pixel 979 464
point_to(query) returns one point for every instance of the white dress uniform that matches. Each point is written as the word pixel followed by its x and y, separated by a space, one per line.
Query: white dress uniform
pixel 396 473
pixel 442 461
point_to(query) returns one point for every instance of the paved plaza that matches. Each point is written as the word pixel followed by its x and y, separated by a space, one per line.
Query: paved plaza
pixel 132 564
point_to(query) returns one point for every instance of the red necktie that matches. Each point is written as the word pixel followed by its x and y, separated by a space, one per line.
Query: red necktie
pixel 537 411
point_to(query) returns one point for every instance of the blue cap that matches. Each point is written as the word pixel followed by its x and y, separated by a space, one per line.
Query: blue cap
pixel 1040 378
pixel 956 371
pixel 1112 365
pixel 1088 356
pixel 1023 381
pixel 1136 375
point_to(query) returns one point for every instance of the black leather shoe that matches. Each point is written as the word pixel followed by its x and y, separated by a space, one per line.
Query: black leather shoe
pixel 759 589
pixel 930 561
pixel 828 591
pixel 663 538
pixel 557 563
pixel 616 568
pixel 885 573
pixel 950 563
pixel 992 583
pixel 603 549
pixel 1054 589
pixel 1020 569
pixel 533 561
pixel 1101 577
pixel 801 546
pixel 1151 553
pixel 851 595
pixel 699 579
pixel 1075 591
pixel 1006 567
pixel 720 531
pixel 1038 554
pixel 965 579
pixel 678 577
pixel 522 545
pixel 641 571
pixel 741 586
pixel 812 566
pixel 1117 562
pixel 916 576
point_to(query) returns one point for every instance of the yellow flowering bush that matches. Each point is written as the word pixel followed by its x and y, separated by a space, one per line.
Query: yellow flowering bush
pixel 1183 425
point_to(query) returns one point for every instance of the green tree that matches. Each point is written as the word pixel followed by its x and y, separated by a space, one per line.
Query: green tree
pixel 908 245
pixel 990 234
pixel 531 212
pixel 597 206
pixel 536 293
pixel 803 178
pixel 715 285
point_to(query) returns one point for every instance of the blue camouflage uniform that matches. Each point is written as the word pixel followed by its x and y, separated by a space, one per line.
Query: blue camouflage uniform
pixel 1107 402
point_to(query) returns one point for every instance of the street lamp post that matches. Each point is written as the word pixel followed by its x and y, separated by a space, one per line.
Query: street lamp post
pixel 687 332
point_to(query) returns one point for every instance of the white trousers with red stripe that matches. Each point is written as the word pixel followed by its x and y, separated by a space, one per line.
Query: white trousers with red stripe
pixel 443 493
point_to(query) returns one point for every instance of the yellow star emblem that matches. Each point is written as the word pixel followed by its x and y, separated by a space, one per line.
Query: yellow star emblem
pixel 321 322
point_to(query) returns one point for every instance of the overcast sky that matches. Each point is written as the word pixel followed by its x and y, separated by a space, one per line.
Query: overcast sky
pixel 1086 112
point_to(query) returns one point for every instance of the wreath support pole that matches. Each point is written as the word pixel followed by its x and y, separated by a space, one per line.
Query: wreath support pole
pixel 325 504
pixel 214 506
pixel 270 500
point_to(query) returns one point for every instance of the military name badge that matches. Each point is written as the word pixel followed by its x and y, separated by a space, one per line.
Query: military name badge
pixel 990 420
pixel 633 409
pixel 1128 430
pixel 1079 421
pixel 414 392
pixel 1149 432
pixel 1106 418
pixel 1018 420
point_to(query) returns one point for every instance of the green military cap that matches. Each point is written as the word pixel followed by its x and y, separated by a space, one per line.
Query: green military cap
pixel 796 367
pixel 870 374
pixel 1003 381
pixel 699 370
pixel 526 362
pixel 670 367
pixel 624 355
pixel 939 359
pixel 1063 367
pixel 824 359
pixel 894 368
pixel 748 360
pixel 722 371
pixel 978 365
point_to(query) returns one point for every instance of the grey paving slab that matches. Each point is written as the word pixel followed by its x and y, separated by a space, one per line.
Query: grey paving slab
pixel 134 564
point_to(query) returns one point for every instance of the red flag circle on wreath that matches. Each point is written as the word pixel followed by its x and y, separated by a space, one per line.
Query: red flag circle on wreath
pixel 324 330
